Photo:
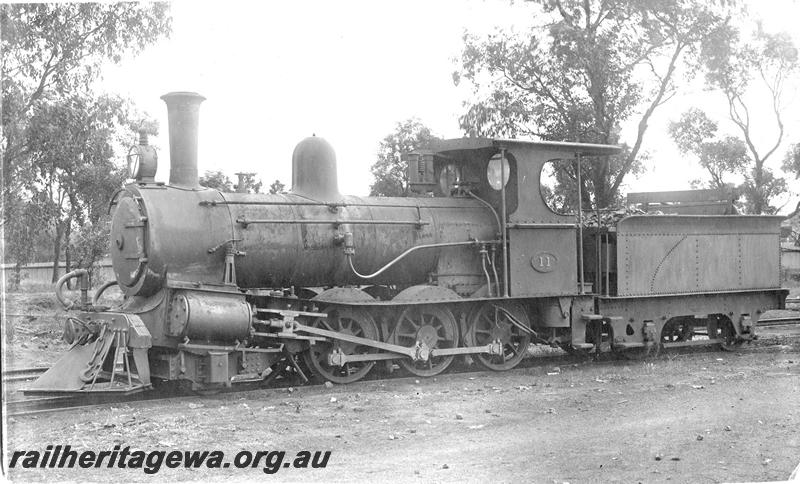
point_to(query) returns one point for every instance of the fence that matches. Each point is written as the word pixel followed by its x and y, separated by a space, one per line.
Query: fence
pixel 42 272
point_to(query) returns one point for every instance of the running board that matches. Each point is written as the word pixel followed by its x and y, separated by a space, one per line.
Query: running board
pixel 696 342
pixel 680 344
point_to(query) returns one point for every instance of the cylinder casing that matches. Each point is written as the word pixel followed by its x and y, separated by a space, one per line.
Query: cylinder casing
pixel 205 316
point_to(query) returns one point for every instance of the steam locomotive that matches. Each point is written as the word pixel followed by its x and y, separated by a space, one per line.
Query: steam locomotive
pixel 223 288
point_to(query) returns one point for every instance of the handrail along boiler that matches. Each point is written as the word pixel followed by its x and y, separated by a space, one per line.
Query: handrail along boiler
pixel 228 287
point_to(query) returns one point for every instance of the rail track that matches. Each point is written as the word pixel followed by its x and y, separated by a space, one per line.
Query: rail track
pixel 782 321
pixel 39 405
pixel 23 374
pixel 34 405
pixel 281 380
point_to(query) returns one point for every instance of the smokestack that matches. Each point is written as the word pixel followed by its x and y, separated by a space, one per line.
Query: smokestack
pixel 183 111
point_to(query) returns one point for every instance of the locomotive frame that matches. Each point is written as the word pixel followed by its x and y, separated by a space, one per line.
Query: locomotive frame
pixel 222 288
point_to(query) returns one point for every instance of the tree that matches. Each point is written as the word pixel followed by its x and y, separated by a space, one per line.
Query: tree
pixel 19 236
pixel 596 65
pixel 390 171
pixel 791 164
pixel 277 187
pixel 89 244
pixel 248 180
pixel 216 180
pixel 791 161
pixel 51 54
pixel 740 69
pixel 72 144
pixel 53 50
pixel 696 134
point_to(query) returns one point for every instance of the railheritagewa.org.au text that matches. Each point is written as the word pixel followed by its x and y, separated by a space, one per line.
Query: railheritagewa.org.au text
pixel 151 462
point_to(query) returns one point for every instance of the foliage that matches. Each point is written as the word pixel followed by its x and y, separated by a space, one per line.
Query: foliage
pixel 72 149
pixel 760 188
pixel 791 161
pixel 55 50
pixel 90 244
pixel 58 138
pixel 739 68
pixel 217 180
pixel 390 171
pixel 791 164
pixel 595 65
pixel 20 233
pixel 277 187
pixel 696 134
pixel 251 185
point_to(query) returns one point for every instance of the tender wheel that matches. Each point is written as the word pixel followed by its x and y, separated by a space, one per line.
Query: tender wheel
pixel 434 326
pixel 724 331
pixel 490 322
pixel 351 321
pixel 678 330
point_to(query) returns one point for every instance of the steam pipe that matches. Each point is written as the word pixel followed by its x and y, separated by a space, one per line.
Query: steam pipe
pixel 608 266
pixel 492 262
pixel 504 219
pixel 484 256
pixel 99 292
pixel 580 224
pixel 183 112
pixel 499 230
pixel 489 206
pixel 598 275
pixel 412 249
pixel 84 276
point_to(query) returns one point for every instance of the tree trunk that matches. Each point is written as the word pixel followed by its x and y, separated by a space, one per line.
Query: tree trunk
pixel 16 279
pixel 57 249
pixel 67 253
pixel 758 182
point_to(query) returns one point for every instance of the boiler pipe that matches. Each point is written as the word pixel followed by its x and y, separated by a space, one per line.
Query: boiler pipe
pixel 413 249
pixel 503 219
pixel 580 224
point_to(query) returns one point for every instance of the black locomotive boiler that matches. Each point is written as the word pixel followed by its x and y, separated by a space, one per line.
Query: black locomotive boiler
pixel 228 287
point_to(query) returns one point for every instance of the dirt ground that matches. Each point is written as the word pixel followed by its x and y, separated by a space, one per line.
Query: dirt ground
pixel 694 417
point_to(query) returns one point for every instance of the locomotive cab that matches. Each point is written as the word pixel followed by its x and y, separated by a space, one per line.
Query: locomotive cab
pixel 506 174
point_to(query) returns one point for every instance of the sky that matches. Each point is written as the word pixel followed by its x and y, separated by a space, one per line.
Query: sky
pixel 274 73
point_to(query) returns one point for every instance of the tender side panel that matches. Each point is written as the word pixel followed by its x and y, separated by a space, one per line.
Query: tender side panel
pixel 667 254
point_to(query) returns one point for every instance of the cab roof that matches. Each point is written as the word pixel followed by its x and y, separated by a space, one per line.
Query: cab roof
pixel 469 144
